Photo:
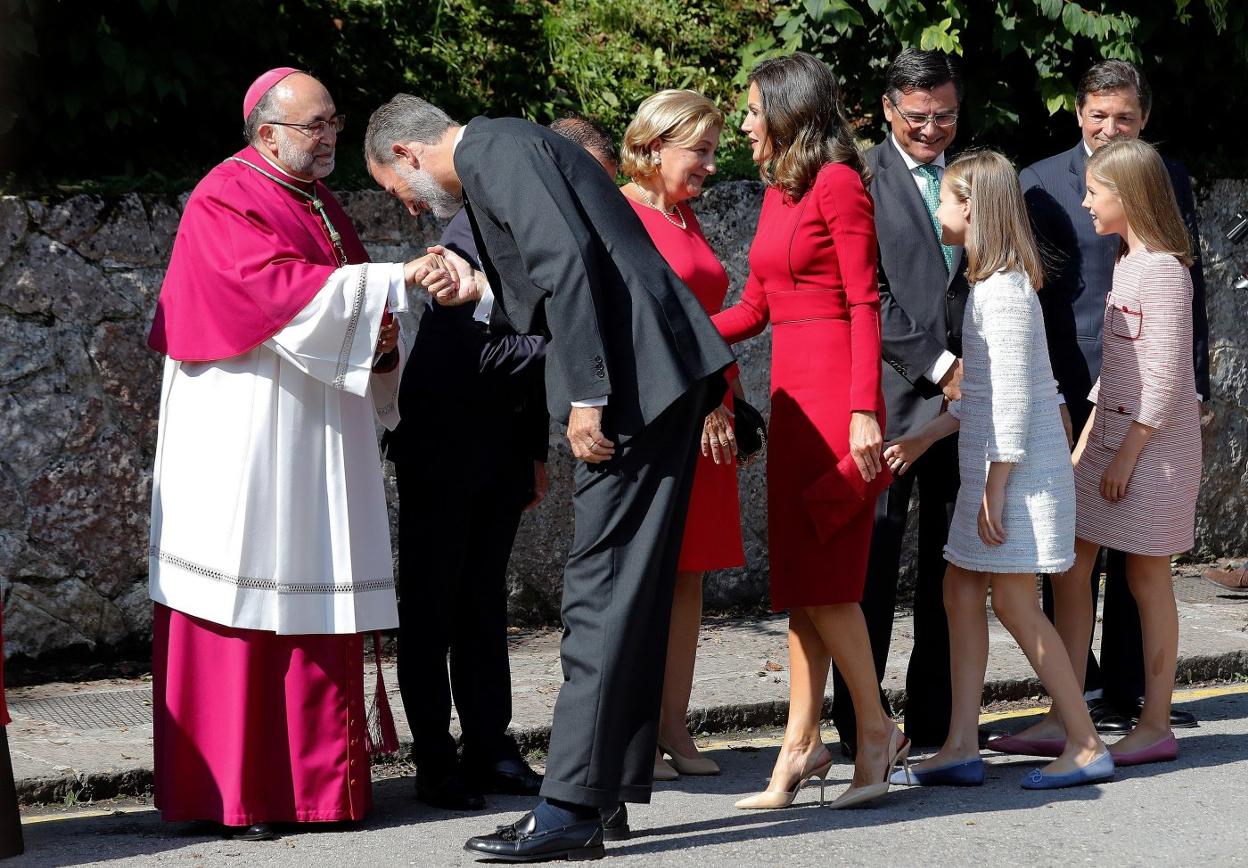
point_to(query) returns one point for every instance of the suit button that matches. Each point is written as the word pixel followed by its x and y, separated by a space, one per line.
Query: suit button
pixel 951 295
pixel 1122 410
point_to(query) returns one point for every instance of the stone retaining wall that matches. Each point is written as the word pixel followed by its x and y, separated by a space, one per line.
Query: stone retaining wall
pixel 78 393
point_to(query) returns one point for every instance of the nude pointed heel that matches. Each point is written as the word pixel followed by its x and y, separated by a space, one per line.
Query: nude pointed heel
pixel 898 751
pixel 690 765
pixel 770 799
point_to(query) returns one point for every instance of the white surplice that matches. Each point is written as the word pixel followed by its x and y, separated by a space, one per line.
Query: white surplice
pixel 268 510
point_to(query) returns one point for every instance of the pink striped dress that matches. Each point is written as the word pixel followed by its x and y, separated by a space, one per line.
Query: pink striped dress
pixel 1146 376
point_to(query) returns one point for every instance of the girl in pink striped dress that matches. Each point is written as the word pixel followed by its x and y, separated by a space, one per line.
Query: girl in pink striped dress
pixel 1138 461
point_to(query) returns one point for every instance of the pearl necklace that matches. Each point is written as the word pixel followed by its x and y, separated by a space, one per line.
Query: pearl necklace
pixel 670 216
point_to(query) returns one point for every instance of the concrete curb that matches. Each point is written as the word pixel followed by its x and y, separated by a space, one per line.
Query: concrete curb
pixel 94 786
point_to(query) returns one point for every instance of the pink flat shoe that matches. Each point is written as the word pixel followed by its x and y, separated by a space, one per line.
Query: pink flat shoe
pixel 1159 752
pixel 1051 747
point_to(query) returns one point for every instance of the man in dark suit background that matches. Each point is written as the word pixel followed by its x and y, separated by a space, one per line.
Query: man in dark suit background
pixel 452 575
pixel 923 292
pixel 633 363
pixel 1113 99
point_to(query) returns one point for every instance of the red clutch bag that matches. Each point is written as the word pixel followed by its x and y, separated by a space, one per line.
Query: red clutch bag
pixel 841 494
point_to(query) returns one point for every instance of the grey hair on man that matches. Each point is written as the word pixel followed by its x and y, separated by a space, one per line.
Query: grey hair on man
pixel 405 118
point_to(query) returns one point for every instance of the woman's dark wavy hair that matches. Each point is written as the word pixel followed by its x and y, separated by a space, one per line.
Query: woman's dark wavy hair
pixel 806 123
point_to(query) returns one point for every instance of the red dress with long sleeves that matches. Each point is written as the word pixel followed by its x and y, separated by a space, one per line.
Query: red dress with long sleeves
pixel 812 276
pixel 712 539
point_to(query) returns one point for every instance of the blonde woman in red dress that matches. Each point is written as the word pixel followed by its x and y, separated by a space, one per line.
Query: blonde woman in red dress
pixel 669 152
pixel 813 277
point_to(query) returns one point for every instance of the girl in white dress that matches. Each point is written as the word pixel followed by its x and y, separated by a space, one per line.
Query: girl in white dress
pixel 1016 506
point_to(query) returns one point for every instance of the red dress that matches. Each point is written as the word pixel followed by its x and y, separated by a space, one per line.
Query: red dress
pixel 812 275
pixel 712 539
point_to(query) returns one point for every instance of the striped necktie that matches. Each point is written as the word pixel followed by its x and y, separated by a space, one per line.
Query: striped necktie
pixel 931 198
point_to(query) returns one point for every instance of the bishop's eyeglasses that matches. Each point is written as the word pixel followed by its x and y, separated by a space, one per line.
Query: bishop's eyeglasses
pixel 316 129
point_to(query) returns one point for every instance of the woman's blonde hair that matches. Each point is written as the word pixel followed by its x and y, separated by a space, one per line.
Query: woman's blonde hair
pixel 999 236
pixel 678 117
pixel 1134 172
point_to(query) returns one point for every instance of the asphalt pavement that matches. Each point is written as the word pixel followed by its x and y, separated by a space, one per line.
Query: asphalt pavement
pixel 1192 811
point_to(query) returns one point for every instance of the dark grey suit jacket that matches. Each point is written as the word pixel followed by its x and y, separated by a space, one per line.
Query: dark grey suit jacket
pixel 1080 270
pixel 921 302
pixel 569 259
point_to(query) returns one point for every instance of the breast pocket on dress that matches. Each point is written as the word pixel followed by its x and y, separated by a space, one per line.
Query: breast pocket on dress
pixel 1113 423
pixel 1126 320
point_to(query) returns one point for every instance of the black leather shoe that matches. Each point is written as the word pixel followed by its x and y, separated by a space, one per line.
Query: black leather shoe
pixel 447 791
pixel 1106 718
pixel 523 842
pixel 1178 719
pixel 254 832
pixel 615 823
pixel 511 777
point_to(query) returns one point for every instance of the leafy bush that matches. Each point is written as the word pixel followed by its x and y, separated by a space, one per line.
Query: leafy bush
pixel 145 94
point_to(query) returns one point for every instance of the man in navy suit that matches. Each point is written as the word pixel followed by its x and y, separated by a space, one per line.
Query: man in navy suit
pixel 452 575
pixel 1113 100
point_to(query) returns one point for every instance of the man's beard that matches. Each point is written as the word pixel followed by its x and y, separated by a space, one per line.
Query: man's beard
pixel 301 162
pixel 441 202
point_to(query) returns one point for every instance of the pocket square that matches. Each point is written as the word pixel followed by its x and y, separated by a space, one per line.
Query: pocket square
pixel 839 495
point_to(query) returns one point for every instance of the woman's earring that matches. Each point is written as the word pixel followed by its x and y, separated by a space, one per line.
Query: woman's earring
pixel 658 159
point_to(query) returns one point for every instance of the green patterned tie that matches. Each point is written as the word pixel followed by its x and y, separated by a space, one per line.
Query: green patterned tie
pixel 931 198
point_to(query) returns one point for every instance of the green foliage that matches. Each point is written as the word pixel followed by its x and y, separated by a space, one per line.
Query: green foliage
pixel 1022 59
pixel 147 92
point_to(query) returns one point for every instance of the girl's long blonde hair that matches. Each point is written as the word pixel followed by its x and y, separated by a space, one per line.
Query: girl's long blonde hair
pixel 999 236
pixel 1134 172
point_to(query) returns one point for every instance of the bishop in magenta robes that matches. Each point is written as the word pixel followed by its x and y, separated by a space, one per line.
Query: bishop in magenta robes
pixel 270 549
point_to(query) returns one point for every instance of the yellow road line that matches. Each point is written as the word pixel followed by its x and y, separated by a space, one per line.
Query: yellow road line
pixel 85 813
pixel 830 733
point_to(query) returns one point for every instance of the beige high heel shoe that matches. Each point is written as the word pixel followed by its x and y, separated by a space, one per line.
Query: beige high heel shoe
pixel 690 765
pixel 773 799
pixel 664 772
pixel 898 751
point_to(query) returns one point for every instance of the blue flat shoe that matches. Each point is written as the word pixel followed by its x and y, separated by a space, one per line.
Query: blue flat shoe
pixel 969 773
pixel 1099 770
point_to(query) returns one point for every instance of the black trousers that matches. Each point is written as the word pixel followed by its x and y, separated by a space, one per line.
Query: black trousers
pixel 1120 672
pixel 617 604
pixel 10 820
pixel 928 692
pixel 454 543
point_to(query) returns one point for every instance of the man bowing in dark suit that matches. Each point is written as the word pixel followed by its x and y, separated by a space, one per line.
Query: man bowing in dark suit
pixel 923 293
pixel 631 361
pixel 452 575
pixel 1113 99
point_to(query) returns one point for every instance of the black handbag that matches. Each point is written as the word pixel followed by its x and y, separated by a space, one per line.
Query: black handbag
pixel 751 432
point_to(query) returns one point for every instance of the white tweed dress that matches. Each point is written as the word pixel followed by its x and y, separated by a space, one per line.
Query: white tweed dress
pixel 1009 412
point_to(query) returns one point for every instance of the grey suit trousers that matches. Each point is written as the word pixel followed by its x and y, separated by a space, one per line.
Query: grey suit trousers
pixel 617 604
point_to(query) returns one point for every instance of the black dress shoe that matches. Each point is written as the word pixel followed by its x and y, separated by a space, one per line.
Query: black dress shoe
pixel 615 823
pixel 511 777
pixel 1178 719
pixel 447 791
pixel 523 842
pixel 254 832
pixel 1106 718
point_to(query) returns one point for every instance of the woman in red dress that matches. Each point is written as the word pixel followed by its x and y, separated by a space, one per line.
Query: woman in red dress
pixel 668 152
pixel 813 277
